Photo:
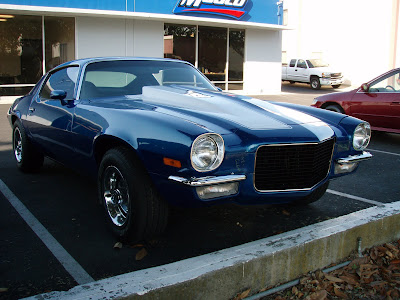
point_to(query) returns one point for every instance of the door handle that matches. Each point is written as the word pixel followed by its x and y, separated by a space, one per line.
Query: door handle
pixel 31 109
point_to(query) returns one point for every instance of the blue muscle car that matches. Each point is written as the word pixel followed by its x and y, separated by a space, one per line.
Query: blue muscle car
pixel 156 132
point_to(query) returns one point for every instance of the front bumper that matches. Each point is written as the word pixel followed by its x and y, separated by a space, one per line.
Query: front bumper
pixel 331 81
pixel 350 163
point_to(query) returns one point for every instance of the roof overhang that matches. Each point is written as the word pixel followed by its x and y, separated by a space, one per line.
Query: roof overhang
pixel 77 12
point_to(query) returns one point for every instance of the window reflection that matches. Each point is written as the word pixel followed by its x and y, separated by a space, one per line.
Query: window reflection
pixel 180 42
pixel 212 52
pixel 20 50
pixel 60 41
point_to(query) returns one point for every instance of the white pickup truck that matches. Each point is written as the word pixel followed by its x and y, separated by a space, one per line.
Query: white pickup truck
pixel 312 71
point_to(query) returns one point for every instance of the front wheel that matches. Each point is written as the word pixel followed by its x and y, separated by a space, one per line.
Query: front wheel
pixel 132 206
pixel 27 157
pixel 336 86
pixel 315 83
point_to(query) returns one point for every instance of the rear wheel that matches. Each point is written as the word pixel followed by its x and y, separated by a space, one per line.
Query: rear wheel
pixel 335 108
pixel 27 157
pixel 315 83
pixel 132 206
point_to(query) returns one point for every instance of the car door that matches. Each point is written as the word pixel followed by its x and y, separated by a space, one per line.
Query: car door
pixel 380 104
pixel 50 120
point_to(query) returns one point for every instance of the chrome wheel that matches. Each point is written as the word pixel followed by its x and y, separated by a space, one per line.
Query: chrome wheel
pixel 116 196
pixel 17 145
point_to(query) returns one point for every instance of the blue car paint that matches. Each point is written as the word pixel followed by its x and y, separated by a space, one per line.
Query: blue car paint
pixel 156 130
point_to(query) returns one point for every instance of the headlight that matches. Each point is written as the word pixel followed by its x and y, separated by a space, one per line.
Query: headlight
pixel 361 136
pixel 326 75
pixel 207 152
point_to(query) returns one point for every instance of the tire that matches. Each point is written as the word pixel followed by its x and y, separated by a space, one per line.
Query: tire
pixel 315 83
pixel 27 157
pixel 314 196
pixel 335 108
pixel 292 82
pixel 132 206
pixel 336 86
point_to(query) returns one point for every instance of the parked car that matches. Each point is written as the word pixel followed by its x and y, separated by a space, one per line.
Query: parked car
pixel 377 101
pixel 313 71
pixel 156 132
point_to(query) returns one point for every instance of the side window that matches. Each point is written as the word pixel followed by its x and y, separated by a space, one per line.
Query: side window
pixel 301 64
pixel 64 79
pixel 292 63
pixel 389 84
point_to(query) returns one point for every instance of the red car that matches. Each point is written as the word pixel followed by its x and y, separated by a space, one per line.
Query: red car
pixel 377 101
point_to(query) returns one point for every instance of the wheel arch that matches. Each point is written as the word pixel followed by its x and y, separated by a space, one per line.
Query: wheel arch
pixel 106 142
pixel 326 104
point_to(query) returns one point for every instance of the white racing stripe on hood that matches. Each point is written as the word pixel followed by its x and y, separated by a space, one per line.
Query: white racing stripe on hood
pixel 212 105
pixel 322 130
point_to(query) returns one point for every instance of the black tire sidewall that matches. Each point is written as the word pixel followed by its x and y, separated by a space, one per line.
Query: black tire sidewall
pixel 31 160
pixel 318 83
pixel 134 227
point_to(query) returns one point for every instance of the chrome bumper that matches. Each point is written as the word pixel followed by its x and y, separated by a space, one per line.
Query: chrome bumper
pixel 354 158
pixel 204 181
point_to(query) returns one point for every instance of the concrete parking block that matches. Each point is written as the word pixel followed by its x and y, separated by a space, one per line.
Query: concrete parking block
pixel 256 265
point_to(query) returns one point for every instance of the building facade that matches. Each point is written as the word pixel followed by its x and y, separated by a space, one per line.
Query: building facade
pixel 360 38
pixel 235 43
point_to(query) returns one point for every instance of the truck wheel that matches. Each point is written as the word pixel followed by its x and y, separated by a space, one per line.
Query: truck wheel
pixel 336 86
pixel 335 108
pixel 314 196
pixel 27 157
pixel 132 206
pixel 315 83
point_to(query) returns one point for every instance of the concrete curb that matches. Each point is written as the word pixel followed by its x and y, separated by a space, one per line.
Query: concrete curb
pixel 255 265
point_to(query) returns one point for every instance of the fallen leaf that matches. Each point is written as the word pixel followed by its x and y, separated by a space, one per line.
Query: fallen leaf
pixel 350 279
pixel 285 212
pixel 339 293
pixel 141 254
pixel 242 295
pixel 320 295
pixel 333 278
pixel 118 245
pixel 238 224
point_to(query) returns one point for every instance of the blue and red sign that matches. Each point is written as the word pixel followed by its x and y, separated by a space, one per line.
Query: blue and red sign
pixel 227 8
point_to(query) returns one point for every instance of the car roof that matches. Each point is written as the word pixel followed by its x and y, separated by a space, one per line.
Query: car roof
pixel 84 61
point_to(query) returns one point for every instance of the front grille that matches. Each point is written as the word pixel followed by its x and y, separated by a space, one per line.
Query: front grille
pixel 292 166
pixel 336 75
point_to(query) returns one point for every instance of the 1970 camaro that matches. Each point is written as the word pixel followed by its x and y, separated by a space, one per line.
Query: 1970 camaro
pixel 156 132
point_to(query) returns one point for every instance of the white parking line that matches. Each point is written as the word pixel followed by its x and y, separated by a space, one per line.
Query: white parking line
pixel 385 152
pixel 68 262
pixel 355 198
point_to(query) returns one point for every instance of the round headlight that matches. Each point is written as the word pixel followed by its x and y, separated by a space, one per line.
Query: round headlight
pixel 362 136
pixel 207 152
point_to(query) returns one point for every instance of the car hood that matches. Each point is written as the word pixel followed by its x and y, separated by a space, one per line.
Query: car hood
pixel 239 114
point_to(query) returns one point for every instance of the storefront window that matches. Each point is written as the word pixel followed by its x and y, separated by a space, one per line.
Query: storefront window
pixel 60 40
pixel 236 58
pixel 180 42
pixel 20 53
pixel 212 52
pixel 21 49
pixel 219 53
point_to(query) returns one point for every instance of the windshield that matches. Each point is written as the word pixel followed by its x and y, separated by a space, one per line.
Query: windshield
pixel 316 63
pixel 128 77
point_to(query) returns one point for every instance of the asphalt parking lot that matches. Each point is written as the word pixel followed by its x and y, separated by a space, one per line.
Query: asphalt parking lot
pixel 64 202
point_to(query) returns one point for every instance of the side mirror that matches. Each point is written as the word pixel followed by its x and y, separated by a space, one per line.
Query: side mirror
pixel 58 94
pixel 365 87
